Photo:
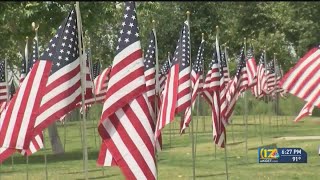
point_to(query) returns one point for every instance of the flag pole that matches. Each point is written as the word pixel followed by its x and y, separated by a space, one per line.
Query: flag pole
pixel 197 111
pixel 157 87
pixel 82 72
pixel 277 94
pixel 226 55
pixel 26 58
pixel 246 106
pixel 254 116
pixel 93 86
pixel 44 147
pixel 192 135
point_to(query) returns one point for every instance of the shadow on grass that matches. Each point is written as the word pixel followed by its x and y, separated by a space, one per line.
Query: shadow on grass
pixel 210 175
pixel 99 177
pixel 38 158
pixel 273 145
pixel 235 143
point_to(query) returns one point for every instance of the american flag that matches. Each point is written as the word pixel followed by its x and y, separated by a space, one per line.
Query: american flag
pixel 18 118
pixel 224 63
pixel 305 111
pixel 34 54
pixel 164 73
pixel 271 77
pixel 219 105
pixel 23 70
pixel 177 91
pixel 101 83
pixel 236 86
pixel 3 83
pixel 150 70
pixel 251 68
pixel 196 84
pixel 302 80
pixel 212 79
pixel 261 85
pixel 126 124
pixel 63 88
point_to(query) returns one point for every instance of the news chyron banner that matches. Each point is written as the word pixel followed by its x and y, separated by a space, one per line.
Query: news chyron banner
pixel 282 155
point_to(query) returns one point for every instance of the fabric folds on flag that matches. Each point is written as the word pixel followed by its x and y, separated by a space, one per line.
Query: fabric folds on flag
pixel 126 124
pixel 177 91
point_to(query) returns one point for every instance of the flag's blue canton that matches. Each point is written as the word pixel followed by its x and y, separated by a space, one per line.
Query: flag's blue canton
pixel 2 71
pixel 261 60
pixel 12 89
pixel 223 60
pixel 129 32
pixel 165 67
pixel 96 70
pixel 23 65
pixel 241 62
pixel 149 59
pixel 34 54
pixel 249 53
pixel 63 47
pixel 197 66
pixel 182 52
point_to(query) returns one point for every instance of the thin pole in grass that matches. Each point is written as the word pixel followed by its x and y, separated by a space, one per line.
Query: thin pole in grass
pixel 157 87
pixel 35 29
pixel 192 132
pixel 83 80
pixel 26 57
pixel 277 94
pixel 198 104
pixel 246 108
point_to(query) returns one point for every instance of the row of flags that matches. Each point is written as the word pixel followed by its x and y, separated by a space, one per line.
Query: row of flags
pixel 138 99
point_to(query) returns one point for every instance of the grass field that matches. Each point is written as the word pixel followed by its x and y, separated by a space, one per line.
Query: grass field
pixel 175 161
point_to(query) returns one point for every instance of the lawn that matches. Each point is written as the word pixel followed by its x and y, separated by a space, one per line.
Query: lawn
pixel 175 161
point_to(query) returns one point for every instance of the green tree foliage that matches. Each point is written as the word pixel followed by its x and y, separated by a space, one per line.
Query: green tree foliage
pixel 274 25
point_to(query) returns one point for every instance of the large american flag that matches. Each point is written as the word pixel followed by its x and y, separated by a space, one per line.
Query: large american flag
pixel 3 83
pixel 196 84
pixel 177 91
pixel 261 86
pixel 302 80
pixel 251 68
pixel 62 91
pixel 126 124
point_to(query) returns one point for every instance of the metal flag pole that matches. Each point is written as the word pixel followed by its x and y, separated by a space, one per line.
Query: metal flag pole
pixel 93 86
pixel 197 110
pixel 246 108
pixel 192 132
pixel 226 56
pixel 254 116
pixel 7 89
pixel 157 87
pixel 277 94
pixel 82 72
pixel 36 28
pixel 26 58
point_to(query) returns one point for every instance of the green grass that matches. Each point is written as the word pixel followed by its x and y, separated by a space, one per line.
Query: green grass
pixel 175 161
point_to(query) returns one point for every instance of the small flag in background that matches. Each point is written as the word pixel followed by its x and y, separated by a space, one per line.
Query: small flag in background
pixel 177 92
pixel 3 83
pixel 261 87
pixel 251 68
pixel 101 84
pixel 197 84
